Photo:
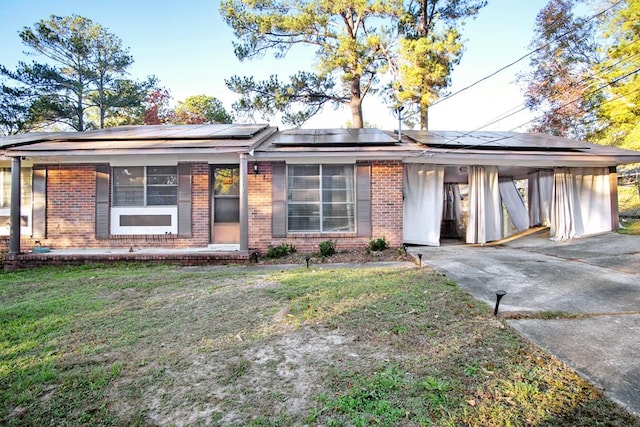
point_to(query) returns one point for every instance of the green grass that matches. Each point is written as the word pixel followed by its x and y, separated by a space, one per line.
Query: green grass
pixel 629 200
pixel 630 227
pixel 140 345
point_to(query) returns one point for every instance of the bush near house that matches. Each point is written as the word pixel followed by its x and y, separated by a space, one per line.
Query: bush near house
pixel 327 248
pixel 376 245
pixel 281 250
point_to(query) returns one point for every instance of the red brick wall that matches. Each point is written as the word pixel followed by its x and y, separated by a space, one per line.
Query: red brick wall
pixel 71 212
pixel 259 203
pixel 200 206
pixel 71 203
pixel 386 201
pixel 386 210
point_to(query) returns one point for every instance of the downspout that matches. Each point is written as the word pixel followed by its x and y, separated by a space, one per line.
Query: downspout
pixel 14 230
pixel 244 204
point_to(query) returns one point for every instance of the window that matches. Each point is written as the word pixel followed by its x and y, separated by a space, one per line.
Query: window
pixel 145 186
pixel 5 187
pixel 226 194
pixel 26 195
pixel 320 198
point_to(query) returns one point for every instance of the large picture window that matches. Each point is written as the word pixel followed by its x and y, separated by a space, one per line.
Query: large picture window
pixel 320 198
pixel 145 186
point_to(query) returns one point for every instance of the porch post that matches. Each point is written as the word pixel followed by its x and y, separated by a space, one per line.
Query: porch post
pixel 14 230
pixel 615 213
pixel 244 204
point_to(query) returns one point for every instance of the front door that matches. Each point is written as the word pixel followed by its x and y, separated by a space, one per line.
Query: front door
pixel 225 204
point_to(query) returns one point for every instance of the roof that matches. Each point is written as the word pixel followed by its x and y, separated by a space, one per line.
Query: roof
pixel 495 141
pixel 332 138
pixel 516 149
pixel 265 142
pixel 129 139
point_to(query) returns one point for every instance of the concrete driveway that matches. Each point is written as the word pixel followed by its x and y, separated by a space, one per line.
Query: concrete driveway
pixel 597 277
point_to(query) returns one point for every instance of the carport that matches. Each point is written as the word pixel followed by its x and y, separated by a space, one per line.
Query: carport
pixel 484 186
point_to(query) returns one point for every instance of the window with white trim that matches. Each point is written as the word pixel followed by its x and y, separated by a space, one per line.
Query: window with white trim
pixel 145 186
pixel 320 198
pixel 26 195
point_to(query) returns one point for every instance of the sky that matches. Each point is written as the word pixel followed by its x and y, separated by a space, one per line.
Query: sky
pixel 188 47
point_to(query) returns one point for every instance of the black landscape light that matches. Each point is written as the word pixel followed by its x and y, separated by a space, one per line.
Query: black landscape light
pixel 307 258
pixel 499 295
pixel 420 258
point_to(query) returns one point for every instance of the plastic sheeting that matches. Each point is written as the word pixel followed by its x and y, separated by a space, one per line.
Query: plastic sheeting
pixel 423 203
pixel 514 204
pixel 485 207
pixel 581 202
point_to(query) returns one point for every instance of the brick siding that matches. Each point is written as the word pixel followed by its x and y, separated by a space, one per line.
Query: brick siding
pixel 71 212
pixel 386 211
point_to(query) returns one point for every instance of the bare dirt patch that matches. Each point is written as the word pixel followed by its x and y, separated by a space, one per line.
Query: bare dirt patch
pixel 270 346
pixel 239 355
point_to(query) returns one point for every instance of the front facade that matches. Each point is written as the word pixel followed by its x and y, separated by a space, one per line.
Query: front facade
pixel 251 187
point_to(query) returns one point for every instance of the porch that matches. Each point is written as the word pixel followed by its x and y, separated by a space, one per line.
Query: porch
pixel 212 255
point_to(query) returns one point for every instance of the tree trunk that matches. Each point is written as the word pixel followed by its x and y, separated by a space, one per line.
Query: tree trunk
pixel 424 118
pixel 356 104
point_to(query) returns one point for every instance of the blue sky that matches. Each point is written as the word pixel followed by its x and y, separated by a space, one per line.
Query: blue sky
pixel 189 48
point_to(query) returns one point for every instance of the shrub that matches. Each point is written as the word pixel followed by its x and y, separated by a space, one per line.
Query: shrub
pixel 379 244
pixel 327 248
pixel 281 250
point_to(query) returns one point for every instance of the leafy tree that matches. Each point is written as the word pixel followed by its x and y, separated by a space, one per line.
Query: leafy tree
pixel 86 70
pixel 430 47
pixel 304 96
pixel 563 85
pixel 201 109
pixel 156 107
pixel 620 113
pixel 15 113
pixel 352 42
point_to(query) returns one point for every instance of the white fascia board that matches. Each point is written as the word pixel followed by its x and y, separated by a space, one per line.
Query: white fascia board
pixel 75 154
pixel 139 160
pixel 313 158
pixel 542 160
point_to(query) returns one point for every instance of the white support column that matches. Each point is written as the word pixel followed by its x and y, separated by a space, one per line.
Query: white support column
pixel 244 204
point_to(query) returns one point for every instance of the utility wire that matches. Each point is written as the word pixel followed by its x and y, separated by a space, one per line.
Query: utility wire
pixel 586 81
pixel 522 57
pixel 581 83
pixel 530 121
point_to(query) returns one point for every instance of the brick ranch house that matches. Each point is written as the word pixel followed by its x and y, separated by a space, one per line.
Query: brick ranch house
pixel 248 187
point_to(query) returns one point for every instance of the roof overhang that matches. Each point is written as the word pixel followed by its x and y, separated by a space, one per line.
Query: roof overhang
pixel 263 142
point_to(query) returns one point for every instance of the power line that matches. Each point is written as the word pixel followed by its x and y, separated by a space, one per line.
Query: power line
pixel 522 57
pixel 611 83
pixel 582 83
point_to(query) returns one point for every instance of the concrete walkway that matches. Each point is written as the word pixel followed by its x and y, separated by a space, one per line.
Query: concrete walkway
pixel 596 277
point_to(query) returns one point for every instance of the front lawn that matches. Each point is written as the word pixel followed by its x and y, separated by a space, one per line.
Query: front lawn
pixel 163 345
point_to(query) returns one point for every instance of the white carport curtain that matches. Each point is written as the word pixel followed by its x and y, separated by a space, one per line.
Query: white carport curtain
pixel 423 203
pixel 581 203
pixel 540 193
pixel 485 207
pixel 514 204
